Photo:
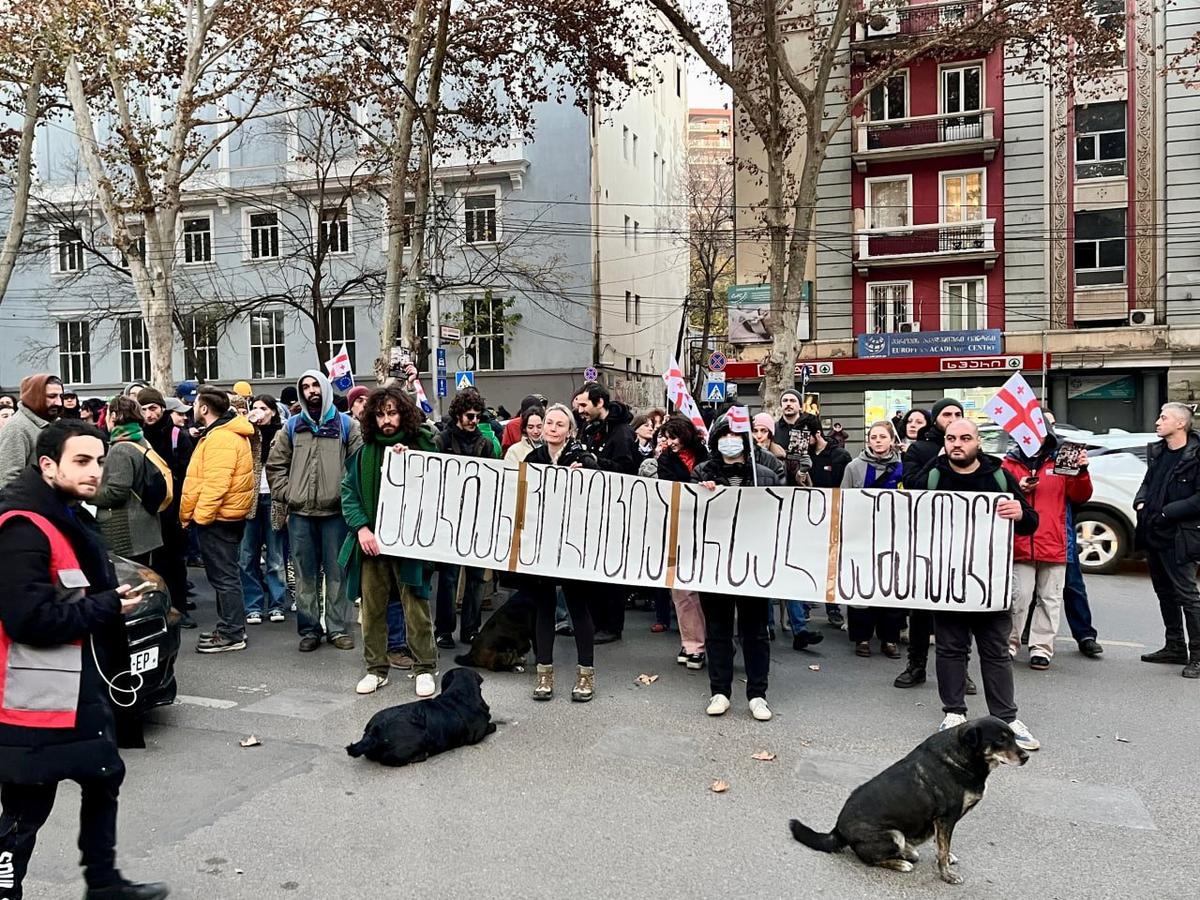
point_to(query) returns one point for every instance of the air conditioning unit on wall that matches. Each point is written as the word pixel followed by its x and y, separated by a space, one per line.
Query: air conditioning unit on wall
pixel 1142 317
pixel 909 326
pixel 883 22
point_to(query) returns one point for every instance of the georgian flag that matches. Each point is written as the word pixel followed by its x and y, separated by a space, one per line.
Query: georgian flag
pixel 1015 408
pixel 340 374
pixel 739 419
pixel 678 393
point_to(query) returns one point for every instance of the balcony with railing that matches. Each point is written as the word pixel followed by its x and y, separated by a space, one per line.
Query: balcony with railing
pixel 913 245
pixel 891 22
pixel 917 137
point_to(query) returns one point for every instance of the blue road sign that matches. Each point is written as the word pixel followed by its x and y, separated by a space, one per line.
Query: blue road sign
pixel 714 392
pixel 590 374
pixel 442 387
pixel 716 362
pixel 441 357
pixel 464 380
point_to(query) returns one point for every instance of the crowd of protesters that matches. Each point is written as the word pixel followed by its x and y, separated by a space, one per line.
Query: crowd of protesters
pixel 276 497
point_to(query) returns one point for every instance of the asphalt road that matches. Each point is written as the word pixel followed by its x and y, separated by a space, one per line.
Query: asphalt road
pixel 612 799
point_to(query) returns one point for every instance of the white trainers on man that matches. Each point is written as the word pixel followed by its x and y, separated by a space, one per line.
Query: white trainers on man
pixel 426 686
pixel 952 720
pixel 1025 739
pixel 718 705
pixel 760 710
pixel 370 684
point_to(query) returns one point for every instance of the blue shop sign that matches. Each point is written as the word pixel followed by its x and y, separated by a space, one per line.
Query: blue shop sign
pixel 983 342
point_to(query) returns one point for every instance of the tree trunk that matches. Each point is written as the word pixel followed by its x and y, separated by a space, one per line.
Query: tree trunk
pixel 24 177
pixel 401 151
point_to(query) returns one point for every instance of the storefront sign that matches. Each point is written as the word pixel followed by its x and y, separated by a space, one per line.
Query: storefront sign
pixel 982 364
pixel 748 306
pixel 983 342
pixel 854 367
pixel 1101 387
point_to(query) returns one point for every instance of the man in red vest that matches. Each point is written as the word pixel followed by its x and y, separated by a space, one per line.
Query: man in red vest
pixel 60 615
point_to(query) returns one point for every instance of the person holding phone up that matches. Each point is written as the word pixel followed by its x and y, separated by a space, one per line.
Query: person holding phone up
pixel 60 621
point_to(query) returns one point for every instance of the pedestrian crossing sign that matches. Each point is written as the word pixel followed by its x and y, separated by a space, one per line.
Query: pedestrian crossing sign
pixel 464 380
pixel 714 392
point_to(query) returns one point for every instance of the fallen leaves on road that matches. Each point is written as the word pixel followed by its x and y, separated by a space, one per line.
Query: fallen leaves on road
pixel 764 756
pixel 251 741
pixel 646 679
pixel 815 667
pixel 719 787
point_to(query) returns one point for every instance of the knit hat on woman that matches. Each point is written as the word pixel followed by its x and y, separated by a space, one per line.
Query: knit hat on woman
pixel 764 420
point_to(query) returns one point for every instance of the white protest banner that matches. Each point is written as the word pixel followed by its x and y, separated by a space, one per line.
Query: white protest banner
pixel 922 549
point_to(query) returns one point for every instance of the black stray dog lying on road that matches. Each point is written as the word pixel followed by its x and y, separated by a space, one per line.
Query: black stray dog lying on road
pixel 921 796
pixel 413 732
pixel 506 638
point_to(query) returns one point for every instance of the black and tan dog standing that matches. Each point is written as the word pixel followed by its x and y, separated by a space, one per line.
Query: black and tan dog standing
pixel 921 796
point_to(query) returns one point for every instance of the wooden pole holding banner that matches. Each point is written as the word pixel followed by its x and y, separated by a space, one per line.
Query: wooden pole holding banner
pixel 673 546
pixel 514 555
pixel 835 545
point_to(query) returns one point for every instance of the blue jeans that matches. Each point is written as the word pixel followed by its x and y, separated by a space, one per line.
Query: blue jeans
pixel 397 633
pixel 797 613
pixel 256 588
pixel 1075 604
pixel 316 542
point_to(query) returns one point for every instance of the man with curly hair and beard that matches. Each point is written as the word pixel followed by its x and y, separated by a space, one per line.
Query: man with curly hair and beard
pixel 390 423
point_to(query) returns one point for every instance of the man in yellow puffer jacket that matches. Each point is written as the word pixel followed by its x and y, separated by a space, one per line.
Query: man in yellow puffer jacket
pixel 218 493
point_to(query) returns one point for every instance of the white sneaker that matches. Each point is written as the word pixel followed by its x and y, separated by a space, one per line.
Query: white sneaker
pixel 1025 740
pixel 760 710
pixel 370 683
pixel 254 618
pixel 277 615
pixel 426 686
pixel 952 720
pixel 718 705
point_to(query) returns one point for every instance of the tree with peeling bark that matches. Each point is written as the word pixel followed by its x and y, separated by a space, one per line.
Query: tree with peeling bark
pixel 176 81
pixel 788 76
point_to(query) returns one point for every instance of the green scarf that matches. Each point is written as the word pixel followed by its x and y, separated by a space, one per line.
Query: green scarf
pixel 130 431
pixel 370 467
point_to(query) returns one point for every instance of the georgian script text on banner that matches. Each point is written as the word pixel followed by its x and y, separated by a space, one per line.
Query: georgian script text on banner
pixel 924 549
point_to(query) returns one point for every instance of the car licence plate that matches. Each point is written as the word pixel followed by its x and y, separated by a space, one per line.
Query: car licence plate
pixel 143 660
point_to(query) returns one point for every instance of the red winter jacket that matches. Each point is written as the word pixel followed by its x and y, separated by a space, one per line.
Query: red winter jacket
pixel 1049 498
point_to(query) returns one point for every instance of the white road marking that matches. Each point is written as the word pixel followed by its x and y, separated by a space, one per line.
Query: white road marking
pixel 207 702
pixel 1106 642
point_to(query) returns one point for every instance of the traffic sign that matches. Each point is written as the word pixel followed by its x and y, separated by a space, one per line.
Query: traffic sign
pixel 712 377
pixel 590 374
pixel 714 392
pixel 716 362
pixel 450 333
pixel 442 387
pixel 464 380
pixel 441 357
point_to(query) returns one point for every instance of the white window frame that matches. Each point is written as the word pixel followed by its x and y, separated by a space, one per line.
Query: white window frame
pixel 893 322
pixel 962 173
pixel 490 336
pixel 346 311
pixel 493 192
pixel 899 73
pixel 209 352
pixel 1096 136
pixel 135 361
pixel 963 64
pixel 1123 15
pixel 68 359
pixel 278 350
pixel 248 230
pixel 184 218
pixel 981 303
pixel 73 249
pixel 319 231
pixel 1124 239
pixel 868 209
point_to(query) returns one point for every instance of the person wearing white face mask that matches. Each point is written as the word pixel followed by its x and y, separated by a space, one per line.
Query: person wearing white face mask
pixel 732 465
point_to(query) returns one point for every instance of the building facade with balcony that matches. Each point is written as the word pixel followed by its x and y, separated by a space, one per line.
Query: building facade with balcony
pixel 531 252
pixel 978 198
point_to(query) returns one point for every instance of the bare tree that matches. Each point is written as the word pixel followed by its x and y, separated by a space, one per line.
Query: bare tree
pixel 787 76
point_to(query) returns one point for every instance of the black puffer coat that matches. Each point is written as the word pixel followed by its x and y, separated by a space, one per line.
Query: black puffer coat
pixel 32 613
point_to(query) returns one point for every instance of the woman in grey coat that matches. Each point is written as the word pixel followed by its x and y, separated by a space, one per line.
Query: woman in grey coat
pixel 128 529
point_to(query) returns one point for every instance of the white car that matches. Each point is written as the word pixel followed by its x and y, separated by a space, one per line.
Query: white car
pixel 1104 526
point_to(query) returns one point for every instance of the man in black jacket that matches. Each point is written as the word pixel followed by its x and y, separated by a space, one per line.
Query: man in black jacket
pixel 607 433
pixel 965 468
pixel 1168 511
pixel 928 446
pixel 55 719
